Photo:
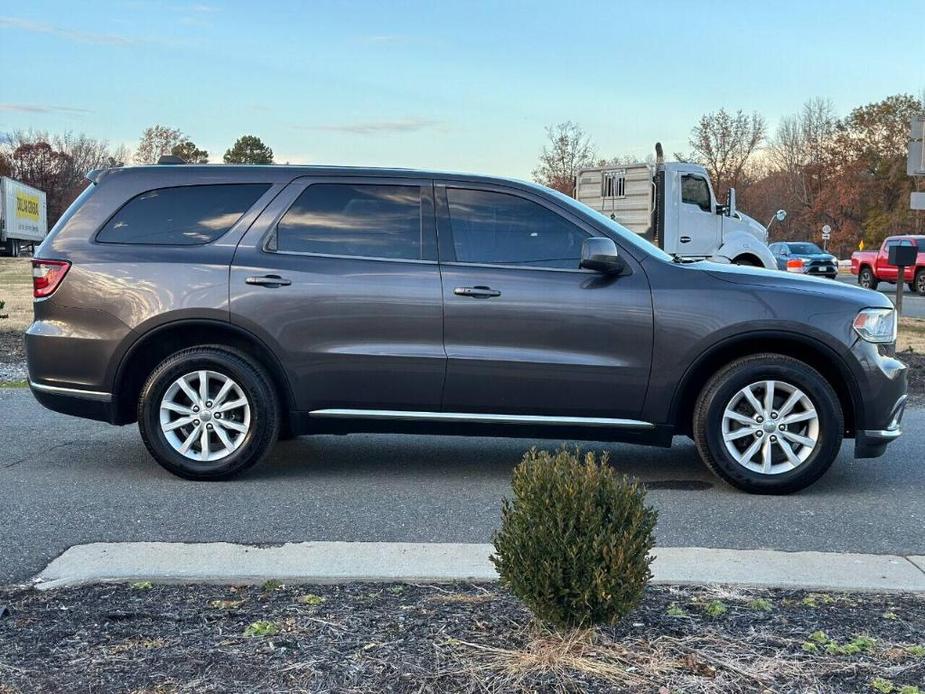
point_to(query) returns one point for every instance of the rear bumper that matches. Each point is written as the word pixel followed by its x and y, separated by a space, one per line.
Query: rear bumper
pixel 88 404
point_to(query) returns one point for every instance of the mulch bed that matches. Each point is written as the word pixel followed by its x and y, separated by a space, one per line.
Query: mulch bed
pixel 439 638
pixel 916 375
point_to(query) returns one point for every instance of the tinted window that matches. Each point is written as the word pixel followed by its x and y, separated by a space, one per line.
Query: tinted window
pixel 184 216
pixel 505 229
pixel 695 191
pixel 358 220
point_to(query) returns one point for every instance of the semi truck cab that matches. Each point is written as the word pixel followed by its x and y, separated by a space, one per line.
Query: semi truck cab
pixel 673 205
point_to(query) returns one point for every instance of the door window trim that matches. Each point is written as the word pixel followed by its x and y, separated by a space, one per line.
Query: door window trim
pixel 447 248
pixel 297 186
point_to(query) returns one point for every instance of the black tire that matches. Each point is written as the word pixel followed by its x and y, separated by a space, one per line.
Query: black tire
pixel 746 261
pixel 866 279
pixel 918 284
pixel 256 386
pixel 722 388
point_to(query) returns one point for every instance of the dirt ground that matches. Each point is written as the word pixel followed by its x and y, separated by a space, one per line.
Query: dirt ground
pixel 449 638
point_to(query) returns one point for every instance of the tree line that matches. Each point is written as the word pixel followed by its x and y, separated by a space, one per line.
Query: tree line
pixel 57 164
pixel 848 172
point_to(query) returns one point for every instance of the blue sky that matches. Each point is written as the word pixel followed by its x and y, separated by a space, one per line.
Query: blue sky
pixel 453 85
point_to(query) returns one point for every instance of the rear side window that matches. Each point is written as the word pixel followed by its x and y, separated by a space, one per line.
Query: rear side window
pixel 501 229
pixel 183 216
pixel 365 220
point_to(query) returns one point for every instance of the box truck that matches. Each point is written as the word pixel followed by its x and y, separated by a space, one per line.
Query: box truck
pixel 23 217
pixel 673 205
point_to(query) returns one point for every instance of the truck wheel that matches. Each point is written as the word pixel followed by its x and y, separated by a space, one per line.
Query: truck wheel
pixel 14 247
pixel 768 424
pixel 208 413
pixel 918 285
pixel 866 279
pixel 746 261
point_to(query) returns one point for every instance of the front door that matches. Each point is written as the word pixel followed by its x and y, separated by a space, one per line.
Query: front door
pixel 699 227
pixel 526 331
pixel 339 277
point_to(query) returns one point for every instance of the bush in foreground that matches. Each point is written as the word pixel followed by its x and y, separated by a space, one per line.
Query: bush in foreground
pixel 574 540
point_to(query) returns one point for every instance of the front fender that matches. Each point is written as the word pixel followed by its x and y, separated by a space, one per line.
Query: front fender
pixel 740 243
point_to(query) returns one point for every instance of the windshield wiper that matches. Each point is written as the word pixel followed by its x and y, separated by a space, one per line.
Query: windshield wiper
pixel 675 258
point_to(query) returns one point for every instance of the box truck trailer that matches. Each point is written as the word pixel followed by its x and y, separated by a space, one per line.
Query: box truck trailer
pixel 673 205
pixel 23 217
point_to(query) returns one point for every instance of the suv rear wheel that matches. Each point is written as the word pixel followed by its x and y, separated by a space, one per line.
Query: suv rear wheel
pixel 208 413
pixel 768 424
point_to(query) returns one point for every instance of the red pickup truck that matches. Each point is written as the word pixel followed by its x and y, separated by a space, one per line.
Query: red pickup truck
pixel 872 267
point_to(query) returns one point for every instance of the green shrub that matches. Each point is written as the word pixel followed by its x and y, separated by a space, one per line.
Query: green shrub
pixel 574 540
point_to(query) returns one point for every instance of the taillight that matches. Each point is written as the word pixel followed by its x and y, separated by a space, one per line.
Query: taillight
pixel 47 275
pixel 795 265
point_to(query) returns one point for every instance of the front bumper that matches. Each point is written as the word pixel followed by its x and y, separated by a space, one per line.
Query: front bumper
pixel 883 388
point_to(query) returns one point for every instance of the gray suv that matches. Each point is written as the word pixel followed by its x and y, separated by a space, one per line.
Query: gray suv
pixel 225 307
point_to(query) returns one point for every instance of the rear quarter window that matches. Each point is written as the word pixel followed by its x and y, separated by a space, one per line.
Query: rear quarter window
pixel 181 216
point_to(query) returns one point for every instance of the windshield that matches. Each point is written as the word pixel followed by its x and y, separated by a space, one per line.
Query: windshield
pixel 804 248
pixel 625 235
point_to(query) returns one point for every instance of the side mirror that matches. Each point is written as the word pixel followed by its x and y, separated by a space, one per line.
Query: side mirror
pixel 731 203
pixel 600 254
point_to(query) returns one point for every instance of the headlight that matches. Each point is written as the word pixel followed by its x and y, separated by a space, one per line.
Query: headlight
pixel 876 324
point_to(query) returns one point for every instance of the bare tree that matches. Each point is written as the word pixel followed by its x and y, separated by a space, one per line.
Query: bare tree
pixel 155 142
pixel 567 150
pixel 801 146
pixel 723 142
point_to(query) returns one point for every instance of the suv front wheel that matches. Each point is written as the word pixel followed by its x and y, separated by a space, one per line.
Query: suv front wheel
pixel 208 413
pixel 768 424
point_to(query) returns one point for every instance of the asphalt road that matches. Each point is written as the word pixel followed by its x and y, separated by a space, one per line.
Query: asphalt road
pixel 913 304
pixel 65 481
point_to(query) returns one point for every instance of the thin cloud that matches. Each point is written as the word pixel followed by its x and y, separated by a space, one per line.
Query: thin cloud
pixel 71 34
pixel 385 38
pixel 42 108
pixel 386 127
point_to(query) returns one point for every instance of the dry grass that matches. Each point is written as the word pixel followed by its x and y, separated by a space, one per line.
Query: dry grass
pixel 16 291
pixel 911 335
pixel 709 661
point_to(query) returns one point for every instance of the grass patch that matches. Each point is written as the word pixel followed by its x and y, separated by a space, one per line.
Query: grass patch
pixel 16 291
pixel 14 384
pixel 261 628
pixel 911 335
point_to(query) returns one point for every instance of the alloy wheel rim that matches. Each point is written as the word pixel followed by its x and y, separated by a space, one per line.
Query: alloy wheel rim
pixel 205 415
pixel 770 427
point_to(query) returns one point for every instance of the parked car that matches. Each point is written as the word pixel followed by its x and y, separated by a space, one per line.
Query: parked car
pixel 220 306
pixel 873 267
pixel 804 257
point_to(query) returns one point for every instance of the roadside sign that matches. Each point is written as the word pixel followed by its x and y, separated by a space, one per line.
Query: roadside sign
pixel 915 164
pixel 917 202
pixel 826 232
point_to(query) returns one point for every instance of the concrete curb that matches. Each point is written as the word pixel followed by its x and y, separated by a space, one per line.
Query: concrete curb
pixel 332 562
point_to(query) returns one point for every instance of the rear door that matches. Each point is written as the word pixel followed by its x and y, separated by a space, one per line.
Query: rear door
pixel 339 277
pixel 526 331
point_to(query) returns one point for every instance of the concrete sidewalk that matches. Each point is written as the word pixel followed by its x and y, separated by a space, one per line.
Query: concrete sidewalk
pixel 327 562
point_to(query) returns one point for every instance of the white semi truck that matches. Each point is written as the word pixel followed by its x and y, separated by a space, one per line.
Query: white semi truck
pixel 673 205
pixel 23 217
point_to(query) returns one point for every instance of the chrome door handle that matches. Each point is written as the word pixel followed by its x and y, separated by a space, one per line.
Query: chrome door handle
pixel 269 281
pixel 479 292
pixel 685 239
